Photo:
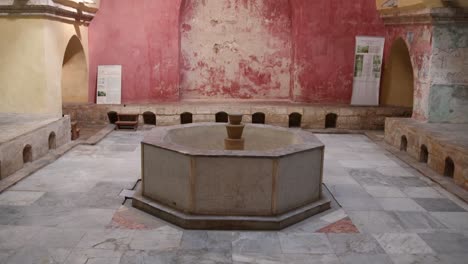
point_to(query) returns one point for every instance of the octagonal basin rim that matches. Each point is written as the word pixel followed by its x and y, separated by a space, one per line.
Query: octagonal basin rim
pixel 163 137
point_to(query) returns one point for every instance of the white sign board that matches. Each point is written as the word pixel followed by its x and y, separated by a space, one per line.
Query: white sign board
pixel 367 70
pixel 109 84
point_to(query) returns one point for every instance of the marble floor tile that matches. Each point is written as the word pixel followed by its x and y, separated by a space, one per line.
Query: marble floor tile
pixel 334 216
pixel 384 191
pixel 395 171
pixel 348 190
pixel 149 257
pixel 365 259
pixel 305 243
pixel 10 214
pixel 403 243
pixel 14 237
pixel 208 240
pixel 155 240
pixel 446 243
pixel 310 258
pixel 438 205
pixel 257 242
pixel 94 256
pixel 429 259
pixel 375 221
pixel 204 256
pixel 53 237
pixel 111 239
pixel 359 204
pixel 333 180
pixel 402 182
pixel 399 204
pixel 421 192
pixel 19 198
pixel 38 255
pixel 343 244
pixel 256 258
pixel 453 220
pixel 418 221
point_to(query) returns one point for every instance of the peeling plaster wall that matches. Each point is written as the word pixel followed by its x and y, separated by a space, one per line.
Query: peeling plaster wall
pixel 418 39
pixel 309 61
pixel 448 101
pixel 143 37
pixel 235 49
pixel 324 39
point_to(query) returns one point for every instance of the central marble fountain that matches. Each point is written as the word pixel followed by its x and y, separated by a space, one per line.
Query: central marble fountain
pixel 195 177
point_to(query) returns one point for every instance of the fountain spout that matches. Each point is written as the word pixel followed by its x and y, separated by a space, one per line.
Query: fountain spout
pixel 235 129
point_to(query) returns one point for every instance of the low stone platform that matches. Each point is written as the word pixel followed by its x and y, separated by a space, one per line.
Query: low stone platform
pixel 312 116
pixel 444 143
pixel 25 138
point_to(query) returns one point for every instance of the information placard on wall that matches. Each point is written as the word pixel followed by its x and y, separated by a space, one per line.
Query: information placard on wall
pixel 109 84
pixel 367 70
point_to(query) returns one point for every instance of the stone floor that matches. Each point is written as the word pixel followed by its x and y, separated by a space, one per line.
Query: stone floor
pixel 71 212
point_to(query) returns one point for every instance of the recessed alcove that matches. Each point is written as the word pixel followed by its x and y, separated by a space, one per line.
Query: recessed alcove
pixel 424 154
pixel 186 118
pixel 221 117
pixel 149 118
pixel 449 169
pixel 258 118
pixel 27 154
pixel 52 141
pixel 331 120
pixel 112 116
pixel 295 120
pixel 404 144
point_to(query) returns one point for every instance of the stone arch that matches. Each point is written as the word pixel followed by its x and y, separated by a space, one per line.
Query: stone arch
pixel 424 154
pixel 225 67
pixel 404 143
pixel 186 118
pixel 258 118
pixel 74 73
pixel 331 120
pixel 52 141
pixel 295 120
pixel 222 117
pixel 449 169
pixel 27 154
pixel 149 118
pixel 398 77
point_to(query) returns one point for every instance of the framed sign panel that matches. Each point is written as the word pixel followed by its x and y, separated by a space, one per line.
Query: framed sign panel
pixel 109 84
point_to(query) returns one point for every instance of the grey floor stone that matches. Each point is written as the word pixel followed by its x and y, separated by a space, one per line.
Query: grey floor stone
pixel 376 222
pixel 267 243
pixel 454 220
pixel 305 243
pixel 365 259
pixel 438 205
pixel 407 243
pixel 418 221
pixel 345 244
pixel 446 243
pixel 208 240
pixel 399 204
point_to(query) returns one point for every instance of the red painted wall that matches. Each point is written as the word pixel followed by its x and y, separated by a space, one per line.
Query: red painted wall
pixel 143 36
pixel 324 34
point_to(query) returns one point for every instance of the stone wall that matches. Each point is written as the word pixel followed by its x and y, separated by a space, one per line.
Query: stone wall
pixel 11 152
pixel 441 140
pixel 313 116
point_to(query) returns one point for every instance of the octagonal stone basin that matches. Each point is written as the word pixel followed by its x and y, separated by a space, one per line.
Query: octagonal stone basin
pixel 190 180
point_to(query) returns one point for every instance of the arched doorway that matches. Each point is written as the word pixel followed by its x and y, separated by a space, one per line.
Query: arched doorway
pixel 424 154
pixel 258 118
pixel 295 120
pixel 404 144
pixel 330 120
pixel 235 49
pixel 449 170
pixel 222 117
pixel 398 79
pixel 74 73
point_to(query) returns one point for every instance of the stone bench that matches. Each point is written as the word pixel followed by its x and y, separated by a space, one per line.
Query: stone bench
pixel 127 121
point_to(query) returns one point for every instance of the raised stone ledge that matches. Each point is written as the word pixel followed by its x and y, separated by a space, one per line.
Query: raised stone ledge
pixel 65 9
pixel 445 15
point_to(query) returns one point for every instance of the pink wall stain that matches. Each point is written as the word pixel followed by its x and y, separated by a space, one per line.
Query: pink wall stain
pixel 308 53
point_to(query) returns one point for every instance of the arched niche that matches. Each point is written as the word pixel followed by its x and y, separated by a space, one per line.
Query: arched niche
pixel 27 154
pixel 398 78
pixel 235 49
pixel 74 73
pixel 222 117
pixel 258 118
pixel 424 154
pixel 404 143
pixel 449 169
pixel 52 141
